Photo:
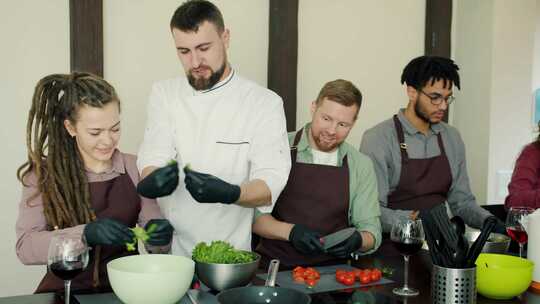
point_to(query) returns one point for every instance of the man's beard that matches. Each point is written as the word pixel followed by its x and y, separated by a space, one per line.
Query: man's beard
pixel 202 83
pixel 420 113
pixel 323 146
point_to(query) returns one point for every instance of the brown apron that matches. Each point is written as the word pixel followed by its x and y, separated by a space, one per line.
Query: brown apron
pixel 423 183
pixel 316 196
pixel 116 199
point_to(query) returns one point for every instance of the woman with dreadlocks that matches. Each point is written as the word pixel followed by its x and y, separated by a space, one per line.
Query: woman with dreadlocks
pixel 419 160
pixel 76 181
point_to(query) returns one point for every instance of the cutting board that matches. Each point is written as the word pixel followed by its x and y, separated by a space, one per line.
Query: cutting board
pixel 110 298
pixel 327 282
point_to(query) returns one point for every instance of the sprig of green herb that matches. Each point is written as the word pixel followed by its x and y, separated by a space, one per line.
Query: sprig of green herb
pixel 140 234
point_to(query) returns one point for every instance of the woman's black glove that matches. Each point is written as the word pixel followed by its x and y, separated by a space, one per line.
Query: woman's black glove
pixel 161 182
pixel 162 234
pixel 107 231
pixel 306 240
pixel 345 248
pixel 206 188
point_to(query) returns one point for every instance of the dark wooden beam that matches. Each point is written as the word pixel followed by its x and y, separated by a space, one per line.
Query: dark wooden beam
pixel 283 55
pixel 86 35
pixel 438 35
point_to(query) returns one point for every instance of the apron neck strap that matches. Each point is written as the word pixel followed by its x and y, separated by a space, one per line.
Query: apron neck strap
pixel 294 148
pixel 401 139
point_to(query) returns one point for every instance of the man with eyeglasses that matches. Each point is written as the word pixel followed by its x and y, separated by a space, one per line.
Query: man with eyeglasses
pixel 420 160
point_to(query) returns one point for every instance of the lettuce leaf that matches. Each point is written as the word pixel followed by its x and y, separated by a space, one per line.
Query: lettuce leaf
pixel 220 252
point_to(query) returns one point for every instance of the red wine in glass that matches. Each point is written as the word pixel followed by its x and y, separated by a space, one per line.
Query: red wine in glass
pixel 517 234
pixel 67 270
pixel 407 246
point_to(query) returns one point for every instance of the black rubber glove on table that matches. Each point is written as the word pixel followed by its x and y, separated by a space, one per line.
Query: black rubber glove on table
pixel 162 234
pixel 306 240
pixel 161 182
pixel 206 188
pixel 107 231
pixel 345 248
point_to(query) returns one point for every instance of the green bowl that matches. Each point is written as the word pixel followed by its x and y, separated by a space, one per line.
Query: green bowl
pixel 150 278
pixel 501 276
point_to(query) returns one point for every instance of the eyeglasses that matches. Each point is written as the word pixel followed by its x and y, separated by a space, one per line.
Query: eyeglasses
pixel 437 99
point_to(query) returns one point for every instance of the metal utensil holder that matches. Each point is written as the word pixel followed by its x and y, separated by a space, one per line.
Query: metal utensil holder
pixel 453 286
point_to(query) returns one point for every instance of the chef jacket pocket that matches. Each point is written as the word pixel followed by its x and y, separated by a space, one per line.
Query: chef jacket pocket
pixel 232 155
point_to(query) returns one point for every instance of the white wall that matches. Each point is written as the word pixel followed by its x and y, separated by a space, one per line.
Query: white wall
pixel 366 42
pixel 470 113
pixel 536 59
pixel 493 111
pixel 35 42
pixel 138 50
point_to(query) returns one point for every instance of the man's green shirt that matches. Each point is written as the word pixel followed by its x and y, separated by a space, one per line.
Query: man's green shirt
pixel 364 212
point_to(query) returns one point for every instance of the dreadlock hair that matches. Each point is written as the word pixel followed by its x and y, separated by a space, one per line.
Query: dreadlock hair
pixel 191 14
pixel 53 155
pixel 430 68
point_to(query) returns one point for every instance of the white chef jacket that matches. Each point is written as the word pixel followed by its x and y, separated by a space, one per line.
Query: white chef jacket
pixel 235 131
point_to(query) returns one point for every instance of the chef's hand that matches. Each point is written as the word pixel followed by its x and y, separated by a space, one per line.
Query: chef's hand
pixel 306 240
pixel 345 248
pixel 161 182
pixel 162 234
pixel 206 188
pixel 106 231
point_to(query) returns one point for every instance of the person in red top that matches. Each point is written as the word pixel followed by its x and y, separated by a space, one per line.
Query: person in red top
pixel 524 187
pixel 76 182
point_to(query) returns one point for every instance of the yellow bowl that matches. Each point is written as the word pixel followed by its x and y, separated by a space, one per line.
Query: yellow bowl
pixel 150 278
pixel 501 276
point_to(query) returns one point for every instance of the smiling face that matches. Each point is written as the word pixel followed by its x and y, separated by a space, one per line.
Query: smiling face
pixel 424 109
pixel 96 132
pixel 203 54
pixel 330 124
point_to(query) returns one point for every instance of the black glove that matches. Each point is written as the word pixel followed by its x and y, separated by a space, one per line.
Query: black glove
pixel 206 188
pixel 107 231
pixel 306 240
pixel 161 182
pixel 500 227
pixel 162 234
pixel 345 248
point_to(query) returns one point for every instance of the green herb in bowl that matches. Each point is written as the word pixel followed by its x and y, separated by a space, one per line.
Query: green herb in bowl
pixel 220 252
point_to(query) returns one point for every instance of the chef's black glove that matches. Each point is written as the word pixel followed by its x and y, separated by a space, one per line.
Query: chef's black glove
pixel 345 248
pixel 206 188
pixel 162 234
pixel 306 240
pixel 161 182
pixel 500 227
pixel 106 231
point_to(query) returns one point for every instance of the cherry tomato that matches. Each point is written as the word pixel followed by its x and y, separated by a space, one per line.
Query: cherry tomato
pixel 367 272
pixel 340 277
pixel 357 273
pixel 348 280
pixel 299 270
pixel 298 278
pixel 365 279
pixel 311 283
pixel 375 276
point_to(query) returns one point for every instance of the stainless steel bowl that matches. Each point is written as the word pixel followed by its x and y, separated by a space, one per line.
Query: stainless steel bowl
pixel 496 243
pixel 224 276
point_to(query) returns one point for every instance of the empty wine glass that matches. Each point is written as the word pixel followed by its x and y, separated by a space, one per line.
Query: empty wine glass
pixel 407 235
pixel 67 257
pixel 516 225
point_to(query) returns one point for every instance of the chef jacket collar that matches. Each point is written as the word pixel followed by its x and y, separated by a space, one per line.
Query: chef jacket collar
pixel 216 86
pixel 411 130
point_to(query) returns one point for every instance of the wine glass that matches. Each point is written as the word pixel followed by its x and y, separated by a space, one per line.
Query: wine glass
pixel 407 235
pixel 67 257
pixel 516 225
